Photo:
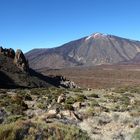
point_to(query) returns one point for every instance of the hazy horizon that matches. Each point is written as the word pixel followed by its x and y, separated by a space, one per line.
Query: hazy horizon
pixel 51 23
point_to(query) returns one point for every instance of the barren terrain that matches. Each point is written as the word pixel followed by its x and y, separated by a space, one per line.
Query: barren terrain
pixel 104 76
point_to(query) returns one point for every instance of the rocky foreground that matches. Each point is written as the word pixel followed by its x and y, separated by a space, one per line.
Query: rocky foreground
pixel 70 114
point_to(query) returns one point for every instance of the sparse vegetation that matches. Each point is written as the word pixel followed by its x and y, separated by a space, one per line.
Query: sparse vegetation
pixel 136 135
pixel 93 95
pixel 94 103
pixel 34 130
pixel 80 98
pixel 39 114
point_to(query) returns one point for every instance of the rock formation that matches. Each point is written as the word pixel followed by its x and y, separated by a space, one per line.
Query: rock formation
pixel 7 52
pixel 18 58
pixel 15 71
pixel 63 82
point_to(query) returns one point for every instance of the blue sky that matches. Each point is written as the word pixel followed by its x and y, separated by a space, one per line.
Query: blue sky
pixel 28 24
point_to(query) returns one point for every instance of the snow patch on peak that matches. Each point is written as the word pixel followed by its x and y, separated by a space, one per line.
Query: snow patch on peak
pixel 89 37
pixel 96 35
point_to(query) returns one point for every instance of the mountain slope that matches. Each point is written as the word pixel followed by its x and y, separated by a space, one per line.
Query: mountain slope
pixel 95 49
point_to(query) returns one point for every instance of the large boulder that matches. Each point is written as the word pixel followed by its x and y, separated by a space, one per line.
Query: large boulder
pixel 18 57
pixel 20 60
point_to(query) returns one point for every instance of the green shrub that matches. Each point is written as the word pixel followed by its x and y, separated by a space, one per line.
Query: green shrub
pixel 13 118
pixel 80 98
pixel 41 130
pixel 89 112
pixel 11 131
pixel 68 107
pixel 70 100
pixel 136 135
pixel 93 95
pixel 41 105
pixel 94 103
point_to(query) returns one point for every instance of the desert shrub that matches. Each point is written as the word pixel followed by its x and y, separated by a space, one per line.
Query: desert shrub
pixel 136 135
pixel 39 91
pixel 14 118
pixel 14 104
pixel 41 130
pixel 93 95
pixel 124 100
pixel 121 89
pixel 12 131
pixel 119 108
pixel 27 97
pixel 70 100
pixel 89 112
pixel 94 103
pixel 41 105
pixel 130 89
pixel 68 106
pixel 112 98
pixel 76 90
pixel 80 98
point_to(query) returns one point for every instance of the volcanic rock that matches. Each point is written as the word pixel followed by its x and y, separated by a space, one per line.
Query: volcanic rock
pixel 21 61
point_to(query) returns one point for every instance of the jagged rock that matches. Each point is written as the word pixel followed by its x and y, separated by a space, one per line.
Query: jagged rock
pixel 21 61
pixel 7 52
pixel 68 84
pixel 61 98
pixel 19 58
pixel 63 82
pixel 11 53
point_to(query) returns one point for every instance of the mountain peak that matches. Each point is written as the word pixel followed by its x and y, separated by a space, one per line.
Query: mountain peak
pixel 96 49
pixel 96 35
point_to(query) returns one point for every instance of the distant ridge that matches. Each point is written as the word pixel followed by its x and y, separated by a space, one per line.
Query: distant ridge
pixel 92 50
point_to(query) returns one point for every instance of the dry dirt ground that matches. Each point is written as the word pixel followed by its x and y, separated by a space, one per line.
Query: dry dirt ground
pixel 105 76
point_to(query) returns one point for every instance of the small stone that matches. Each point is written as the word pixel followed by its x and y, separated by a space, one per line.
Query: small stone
pixel 61 98
pixel 77 105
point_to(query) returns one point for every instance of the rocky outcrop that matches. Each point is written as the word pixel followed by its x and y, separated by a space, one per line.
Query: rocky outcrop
pixel 15 71
pixel 63 82
pixel 20 60
pixel 68 84
pixel 7 52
